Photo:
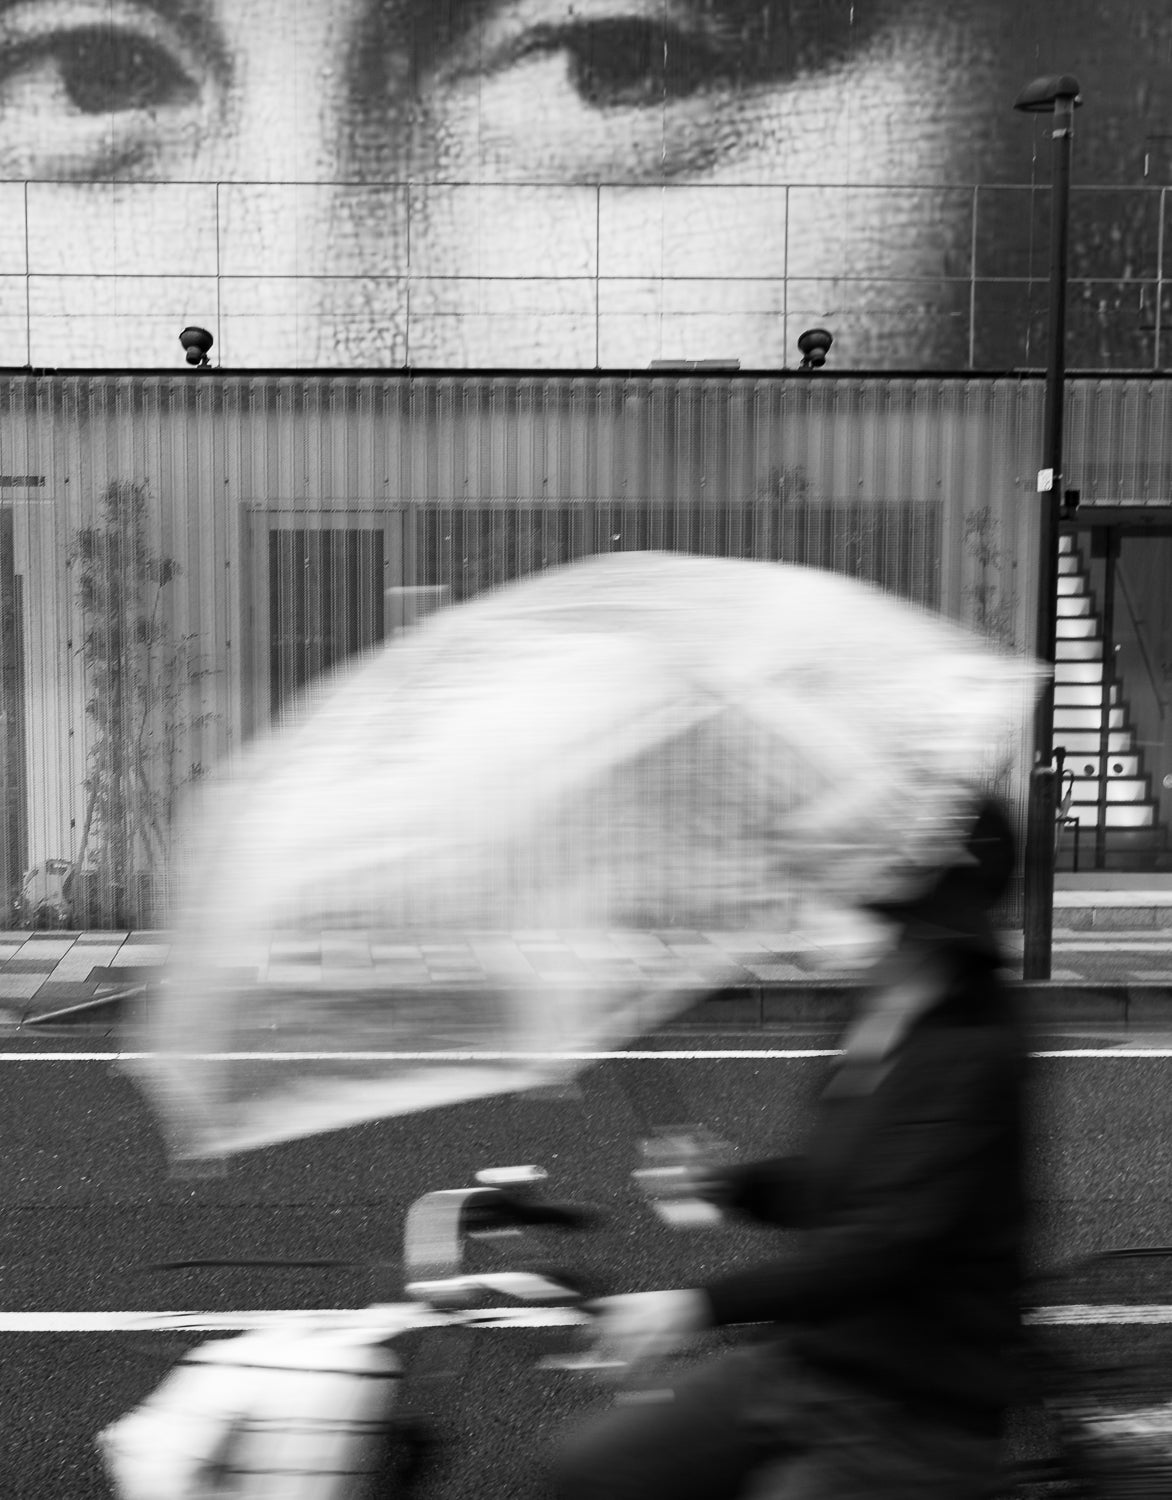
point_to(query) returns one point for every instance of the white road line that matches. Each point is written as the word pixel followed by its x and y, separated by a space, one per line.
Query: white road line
pixel 726 1054
pixel 229 1322
pixel 716 1054
pixel 1107 1052
pixel 1059 1315
pixel 1101 1314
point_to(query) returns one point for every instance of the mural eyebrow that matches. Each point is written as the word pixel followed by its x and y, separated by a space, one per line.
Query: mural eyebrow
pixel 198 22
pixel 194 20
pixel 770 38
pixel 427 28
pixel 750 39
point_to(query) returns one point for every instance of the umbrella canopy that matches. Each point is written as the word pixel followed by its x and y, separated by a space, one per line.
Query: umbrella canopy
pixel 633 741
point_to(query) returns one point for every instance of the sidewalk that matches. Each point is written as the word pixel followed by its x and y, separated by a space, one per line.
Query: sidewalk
pixel 1112 958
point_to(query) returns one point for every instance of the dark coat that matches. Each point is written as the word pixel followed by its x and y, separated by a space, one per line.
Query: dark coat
pixel 910 1193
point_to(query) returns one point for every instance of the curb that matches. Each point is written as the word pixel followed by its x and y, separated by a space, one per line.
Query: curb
pixel 831 1003
pixel 825 1004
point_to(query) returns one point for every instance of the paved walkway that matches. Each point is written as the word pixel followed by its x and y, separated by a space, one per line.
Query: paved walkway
pixel 1111 937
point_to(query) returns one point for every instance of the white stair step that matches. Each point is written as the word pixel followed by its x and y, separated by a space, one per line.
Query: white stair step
pixel 1072 627
pixel 1071 606
pixel 1141 815
pixel 1085 718
pixel 1086 742
pixel 1083 694
pixel 1069 562
pixel 1067 673
pixel 1066 541
pixel 1080 649
pixel 1072 585
pixel 1119 789
pixel 1085 765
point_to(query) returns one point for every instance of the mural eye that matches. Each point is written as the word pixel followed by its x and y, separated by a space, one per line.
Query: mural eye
pixel 627 62
pixel 97 86
pixel 105 70
pixel 615 63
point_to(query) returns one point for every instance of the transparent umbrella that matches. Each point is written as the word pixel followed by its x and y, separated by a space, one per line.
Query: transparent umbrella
pixel 633 742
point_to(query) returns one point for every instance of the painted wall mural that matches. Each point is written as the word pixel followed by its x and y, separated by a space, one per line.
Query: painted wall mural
pixel 573 183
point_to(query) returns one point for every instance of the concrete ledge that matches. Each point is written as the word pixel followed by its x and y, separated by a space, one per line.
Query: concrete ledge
pixel 1058 1003
pixel 1114 918
pixel 823 1003
pixel 1113 910
pixel 830 1003
pixel 1149 1005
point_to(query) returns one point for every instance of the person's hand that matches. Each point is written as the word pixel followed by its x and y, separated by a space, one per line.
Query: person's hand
pixel 642 1327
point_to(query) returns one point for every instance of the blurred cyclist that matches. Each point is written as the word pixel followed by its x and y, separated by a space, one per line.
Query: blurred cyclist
pixel 892 1356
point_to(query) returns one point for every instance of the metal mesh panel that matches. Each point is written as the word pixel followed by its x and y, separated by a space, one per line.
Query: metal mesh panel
pixel 181 557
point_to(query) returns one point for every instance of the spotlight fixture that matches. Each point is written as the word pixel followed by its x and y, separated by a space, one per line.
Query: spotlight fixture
pixel 196 343
pixel 1041 96
pixel 814 345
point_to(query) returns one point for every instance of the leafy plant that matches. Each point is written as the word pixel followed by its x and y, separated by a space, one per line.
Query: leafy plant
pixel 990 596
pixel 139 679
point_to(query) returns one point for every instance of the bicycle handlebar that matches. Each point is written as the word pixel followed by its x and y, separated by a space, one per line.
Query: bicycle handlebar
pixel 496 1210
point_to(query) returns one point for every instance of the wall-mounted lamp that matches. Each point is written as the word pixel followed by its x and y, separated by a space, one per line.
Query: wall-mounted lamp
pixel 814 345
pixel 196 343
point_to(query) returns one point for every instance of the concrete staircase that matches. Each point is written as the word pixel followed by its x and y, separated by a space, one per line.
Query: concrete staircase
pixel 1092 722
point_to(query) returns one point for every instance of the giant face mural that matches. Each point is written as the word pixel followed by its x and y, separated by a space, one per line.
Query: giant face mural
pixel 571 182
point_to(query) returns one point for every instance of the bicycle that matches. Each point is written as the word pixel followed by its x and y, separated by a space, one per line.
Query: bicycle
pixel 395 1444
pixel 245 1416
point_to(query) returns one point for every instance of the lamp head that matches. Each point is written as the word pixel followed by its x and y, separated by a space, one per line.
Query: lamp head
pixel 814 345
pixel 1042 95
pixel 196 343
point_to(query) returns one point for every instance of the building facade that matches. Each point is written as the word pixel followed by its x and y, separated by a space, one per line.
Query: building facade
pixel 181 556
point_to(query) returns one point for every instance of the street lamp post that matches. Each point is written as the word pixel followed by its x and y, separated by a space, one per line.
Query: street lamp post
pixel 1057 95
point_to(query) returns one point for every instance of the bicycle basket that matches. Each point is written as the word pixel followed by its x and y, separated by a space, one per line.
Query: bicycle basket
pixel 1121 1449
pixel 1108 1371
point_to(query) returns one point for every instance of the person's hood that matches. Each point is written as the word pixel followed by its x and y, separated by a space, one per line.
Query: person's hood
pixel 957 907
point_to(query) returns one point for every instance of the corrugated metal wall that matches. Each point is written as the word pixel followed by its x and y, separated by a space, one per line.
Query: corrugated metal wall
pixel 179 556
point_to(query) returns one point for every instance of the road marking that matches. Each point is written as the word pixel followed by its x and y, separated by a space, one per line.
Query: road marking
pixel 1101 1314
pixel 728 1054
pixel 1060 1315
pixel 718 1054
pixel 1107 1052
pixel 231 1322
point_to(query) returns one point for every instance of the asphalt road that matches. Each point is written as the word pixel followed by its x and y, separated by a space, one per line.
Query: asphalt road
pixel 91 1201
